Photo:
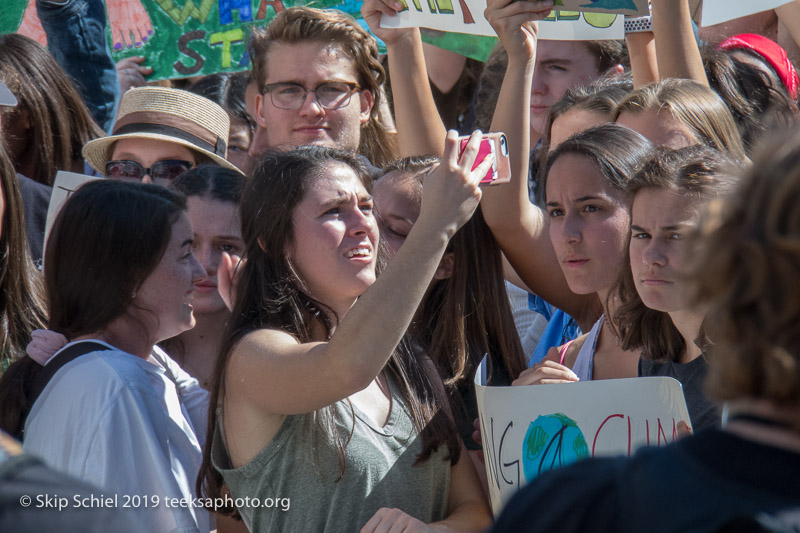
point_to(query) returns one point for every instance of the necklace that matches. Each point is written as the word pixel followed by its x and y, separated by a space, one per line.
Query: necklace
pixel 612 332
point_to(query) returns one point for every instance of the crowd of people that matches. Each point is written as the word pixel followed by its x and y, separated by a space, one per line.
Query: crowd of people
pixel 269 306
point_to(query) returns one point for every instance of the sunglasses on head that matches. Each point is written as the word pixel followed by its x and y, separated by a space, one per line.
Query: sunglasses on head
pixel 168 169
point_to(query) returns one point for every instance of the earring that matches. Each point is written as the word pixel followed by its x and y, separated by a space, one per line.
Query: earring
pixel 133 296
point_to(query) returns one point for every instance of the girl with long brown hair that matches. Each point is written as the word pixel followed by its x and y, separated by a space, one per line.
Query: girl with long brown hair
pixel 22 306
pixel 312 399
pixel 655 315
pixel 465 313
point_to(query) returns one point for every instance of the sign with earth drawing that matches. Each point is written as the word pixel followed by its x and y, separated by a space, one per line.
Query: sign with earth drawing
pixel 531 429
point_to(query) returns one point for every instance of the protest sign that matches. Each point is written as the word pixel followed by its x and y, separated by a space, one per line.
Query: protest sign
pixel 198 37
pixel 529 430
pixel 64 185
pixel 718 11
pixel 177 38
pixel 466 16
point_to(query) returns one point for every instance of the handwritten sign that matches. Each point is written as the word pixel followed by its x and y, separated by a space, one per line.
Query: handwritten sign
pixel 466 16
pixel 717 11
pixel 182 38
pixel 529 430
pixel 65 184
pixel 178 38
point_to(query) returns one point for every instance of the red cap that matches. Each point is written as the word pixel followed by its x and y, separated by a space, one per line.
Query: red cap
pixel 772 53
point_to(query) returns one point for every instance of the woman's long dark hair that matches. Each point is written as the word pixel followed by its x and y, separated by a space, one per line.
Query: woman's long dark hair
pixel 60 121
pixel 270 295
pixel 22 305
pixel 107 239
pixel 758 105
pixel 467 315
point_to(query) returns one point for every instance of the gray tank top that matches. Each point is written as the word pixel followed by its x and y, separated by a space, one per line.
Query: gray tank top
pixel 380 472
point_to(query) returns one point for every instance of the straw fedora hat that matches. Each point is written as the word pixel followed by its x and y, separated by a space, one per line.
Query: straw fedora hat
pixel 169 115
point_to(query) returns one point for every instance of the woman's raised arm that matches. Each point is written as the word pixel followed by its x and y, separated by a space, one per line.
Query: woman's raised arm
pixel 275 374
pixel 676 45
pixel 420 130
pixel 519 226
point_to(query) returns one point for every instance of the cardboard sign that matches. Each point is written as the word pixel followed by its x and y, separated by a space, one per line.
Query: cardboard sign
pixel 64 185
pixel 529 430
pixel 466 16
pixel 717 11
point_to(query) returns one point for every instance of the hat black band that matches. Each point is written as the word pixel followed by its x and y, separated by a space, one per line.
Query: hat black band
pixel 220 149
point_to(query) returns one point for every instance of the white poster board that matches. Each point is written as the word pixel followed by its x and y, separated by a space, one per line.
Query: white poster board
pixel 529 430
pixel 559 25
pixel 65 184
pixel 717 11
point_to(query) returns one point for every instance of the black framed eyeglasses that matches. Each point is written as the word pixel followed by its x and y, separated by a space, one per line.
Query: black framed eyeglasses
pixel 167 170
pixel 330 95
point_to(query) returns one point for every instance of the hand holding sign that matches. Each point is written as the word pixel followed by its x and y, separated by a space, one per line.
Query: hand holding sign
pixel 372 10
pixel 545 373
pixel 528 430
pixel 515 23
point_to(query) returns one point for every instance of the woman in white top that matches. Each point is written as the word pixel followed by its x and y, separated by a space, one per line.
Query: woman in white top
pixel 120 273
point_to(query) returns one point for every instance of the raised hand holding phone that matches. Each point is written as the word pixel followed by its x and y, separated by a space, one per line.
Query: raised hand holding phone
pixel 451 191
pixel 497 145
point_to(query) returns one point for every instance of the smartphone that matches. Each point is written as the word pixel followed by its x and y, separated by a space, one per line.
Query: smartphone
pixel 497 144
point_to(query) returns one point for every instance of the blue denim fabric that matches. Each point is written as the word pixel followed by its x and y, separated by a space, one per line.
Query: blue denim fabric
pixel 76 36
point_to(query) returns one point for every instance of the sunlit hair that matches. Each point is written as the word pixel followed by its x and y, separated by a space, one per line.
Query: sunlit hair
pixel 695 106
pixel 600 97
pixel 60 123
pixel 615 150
pixel 302 24
pixel 747 270
pixel 22 305
pixel 271 295
pixel 107 239
pixel 757 100
pixel 697 173
pixel 467 315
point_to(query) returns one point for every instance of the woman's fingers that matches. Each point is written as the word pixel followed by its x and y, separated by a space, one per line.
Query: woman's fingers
pixel 544 373
pixel 228 278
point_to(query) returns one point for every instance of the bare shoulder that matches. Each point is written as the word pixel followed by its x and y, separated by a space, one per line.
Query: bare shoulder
pixel 261 344
pixel 261 339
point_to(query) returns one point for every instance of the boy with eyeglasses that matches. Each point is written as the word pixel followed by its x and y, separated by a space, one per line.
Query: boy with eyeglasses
pixel 318 78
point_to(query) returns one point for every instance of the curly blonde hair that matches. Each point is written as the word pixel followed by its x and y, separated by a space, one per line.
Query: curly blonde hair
pixel 747 268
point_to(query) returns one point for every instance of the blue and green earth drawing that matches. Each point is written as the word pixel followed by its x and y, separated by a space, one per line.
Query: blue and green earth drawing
pixel 552 441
